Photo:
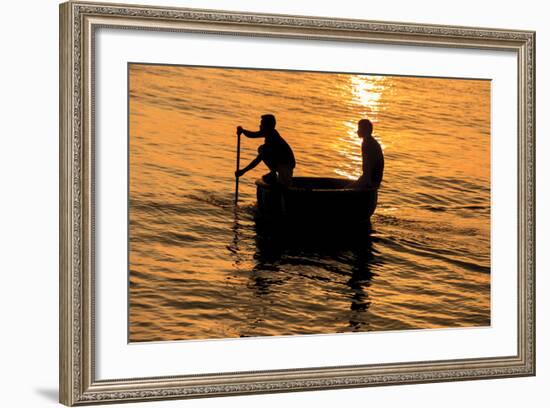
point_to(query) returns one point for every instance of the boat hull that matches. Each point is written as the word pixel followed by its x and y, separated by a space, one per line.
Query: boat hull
pixel 326 201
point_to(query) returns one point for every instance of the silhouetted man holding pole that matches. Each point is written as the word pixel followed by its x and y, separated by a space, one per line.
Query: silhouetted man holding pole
pixel 275 153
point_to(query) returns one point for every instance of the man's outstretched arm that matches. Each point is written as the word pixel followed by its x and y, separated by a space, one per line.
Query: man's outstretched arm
pixel 252 164
pixel 250 133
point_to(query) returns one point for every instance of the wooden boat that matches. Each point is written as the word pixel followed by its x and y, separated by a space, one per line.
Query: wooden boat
pixel 326 201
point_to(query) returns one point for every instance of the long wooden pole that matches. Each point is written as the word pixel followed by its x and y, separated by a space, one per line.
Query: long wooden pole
pixel 238 165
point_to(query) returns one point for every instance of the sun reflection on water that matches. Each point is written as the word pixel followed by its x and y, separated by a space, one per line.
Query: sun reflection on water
pixel 367 92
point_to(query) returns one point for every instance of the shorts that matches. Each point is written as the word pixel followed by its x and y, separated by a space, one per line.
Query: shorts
pixel 284 174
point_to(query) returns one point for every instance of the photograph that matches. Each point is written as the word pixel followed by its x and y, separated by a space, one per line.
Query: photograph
pixel 267 202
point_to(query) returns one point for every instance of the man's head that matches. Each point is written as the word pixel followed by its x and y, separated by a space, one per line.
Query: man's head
pixel 267 122
pixel 364 128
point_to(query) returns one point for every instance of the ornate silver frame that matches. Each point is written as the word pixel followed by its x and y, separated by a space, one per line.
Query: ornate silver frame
pixel 78 22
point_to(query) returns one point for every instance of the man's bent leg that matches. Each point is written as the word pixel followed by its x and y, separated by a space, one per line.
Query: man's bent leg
pixel 284 173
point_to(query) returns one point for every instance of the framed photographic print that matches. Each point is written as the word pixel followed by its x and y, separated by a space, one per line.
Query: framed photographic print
pixel 260 203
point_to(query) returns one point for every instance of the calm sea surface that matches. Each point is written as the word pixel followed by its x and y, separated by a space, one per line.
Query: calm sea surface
pixel 201 268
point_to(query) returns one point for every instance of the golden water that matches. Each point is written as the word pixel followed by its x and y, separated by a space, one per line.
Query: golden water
pixel 201 268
